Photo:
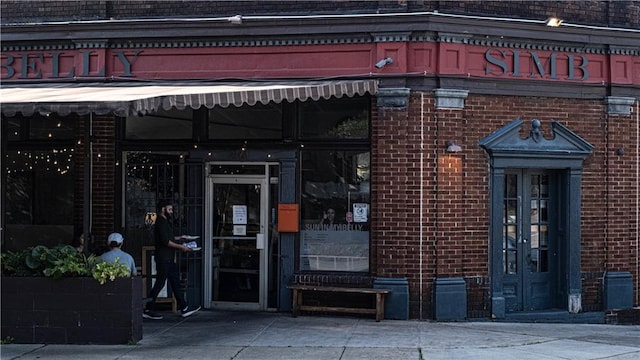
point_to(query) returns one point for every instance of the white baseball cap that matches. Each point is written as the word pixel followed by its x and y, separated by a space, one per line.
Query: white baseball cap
pixel 115 237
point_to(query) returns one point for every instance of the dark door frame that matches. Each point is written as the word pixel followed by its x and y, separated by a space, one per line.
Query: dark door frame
pixel 565 151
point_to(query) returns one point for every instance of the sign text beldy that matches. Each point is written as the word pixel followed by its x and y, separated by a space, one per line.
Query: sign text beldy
pixel 508 63
pixel 31 65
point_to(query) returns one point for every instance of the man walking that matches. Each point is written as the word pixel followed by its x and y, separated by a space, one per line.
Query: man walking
pixel 166 266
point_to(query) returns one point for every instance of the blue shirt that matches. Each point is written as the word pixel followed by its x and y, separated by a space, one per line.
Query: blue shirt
pixel 123 258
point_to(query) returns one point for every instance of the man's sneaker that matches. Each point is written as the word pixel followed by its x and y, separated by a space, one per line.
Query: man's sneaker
pixel 148 314
pixel 186 312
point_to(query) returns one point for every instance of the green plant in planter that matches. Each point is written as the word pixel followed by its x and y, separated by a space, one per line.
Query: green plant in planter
pixel 60 261
pixel 104 271
pixel 14 263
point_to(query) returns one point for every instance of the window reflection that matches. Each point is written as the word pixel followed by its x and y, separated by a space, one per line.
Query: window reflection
pixel 510 220
pixel 539 220
pixel 151 177
pixel 344 118
pixel 51 127
pixel 163 124
pixel 246 122
pixel 39 198
pixel 335 211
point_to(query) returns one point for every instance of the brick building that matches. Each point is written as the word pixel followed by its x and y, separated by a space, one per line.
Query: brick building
pixel 489 159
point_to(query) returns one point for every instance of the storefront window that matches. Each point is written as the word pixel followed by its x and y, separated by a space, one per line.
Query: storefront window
pixel 151 177
pixel 246 122
pixel 335 211
pixel 344 118
pixel 38 174
pixel 39 197
pixel 51 127
pixel 163 124
pixel 12 129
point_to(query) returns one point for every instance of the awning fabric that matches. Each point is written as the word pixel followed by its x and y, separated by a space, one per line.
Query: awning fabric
pixel 124 99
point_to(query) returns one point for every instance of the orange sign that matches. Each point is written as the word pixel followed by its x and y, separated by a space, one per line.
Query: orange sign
pixel 288 215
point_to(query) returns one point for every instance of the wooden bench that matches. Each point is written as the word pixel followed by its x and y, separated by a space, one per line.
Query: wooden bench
pixel 298 304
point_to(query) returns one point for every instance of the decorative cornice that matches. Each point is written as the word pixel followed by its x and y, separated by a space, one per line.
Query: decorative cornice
pixel 617 50
pixel 391 37
pixel 535 46
pixel 363 39
pixel 242 43
pixel 454 38
pixel 42 47
pixel 424 37
pixel 624 50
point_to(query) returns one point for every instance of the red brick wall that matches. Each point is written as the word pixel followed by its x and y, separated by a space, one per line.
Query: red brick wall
pixel 456 199
pixel 396 192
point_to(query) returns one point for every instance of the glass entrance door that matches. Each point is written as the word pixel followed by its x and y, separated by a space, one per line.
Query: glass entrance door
pixel 529 240
pixel 237 227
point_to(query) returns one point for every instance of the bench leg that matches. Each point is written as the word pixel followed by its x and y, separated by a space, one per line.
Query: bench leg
pixel 379 307
pixel 297 300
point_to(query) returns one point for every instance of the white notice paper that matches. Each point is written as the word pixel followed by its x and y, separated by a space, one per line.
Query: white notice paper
pixel 240 214
pixel 360 211
pixel 239 230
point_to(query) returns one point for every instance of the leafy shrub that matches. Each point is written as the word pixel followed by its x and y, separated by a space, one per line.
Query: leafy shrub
pixel 14 263
pixel 104 271
pixel 59 261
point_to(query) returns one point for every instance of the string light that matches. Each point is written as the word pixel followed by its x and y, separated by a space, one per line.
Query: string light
pixel 28 161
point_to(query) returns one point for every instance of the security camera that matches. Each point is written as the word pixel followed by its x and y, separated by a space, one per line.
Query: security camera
pixel 382 63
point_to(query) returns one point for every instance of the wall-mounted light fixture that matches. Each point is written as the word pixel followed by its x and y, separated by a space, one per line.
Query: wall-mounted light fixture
pixel 382 63
pixel 235 19
pixel 452 147
pixel 553 21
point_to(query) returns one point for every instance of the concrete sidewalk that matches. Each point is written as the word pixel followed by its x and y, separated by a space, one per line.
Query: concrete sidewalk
pixel 218 335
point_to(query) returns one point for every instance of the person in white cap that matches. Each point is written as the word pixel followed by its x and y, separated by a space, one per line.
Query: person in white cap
pixel 116 254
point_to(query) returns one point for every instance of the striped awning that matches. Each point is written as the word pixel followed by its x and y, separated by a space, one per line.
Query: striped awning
pixel 124 99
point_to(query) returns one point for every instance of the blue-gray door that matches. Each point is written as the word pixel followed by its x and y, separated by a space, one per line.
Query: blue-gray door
pixel 529 239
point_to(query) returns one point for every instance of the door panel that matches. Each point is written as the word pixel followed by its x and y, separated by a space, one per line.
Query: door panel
pixel 238 263
pixel 528 242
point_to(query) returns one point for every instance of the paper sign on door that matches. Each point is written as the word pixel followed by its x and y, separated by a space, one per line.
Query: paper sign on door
pixel 239 230
pixel 240 214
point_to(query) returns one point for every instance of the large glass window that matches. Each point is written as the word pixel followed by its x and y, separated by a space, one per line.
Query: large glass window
pixel 335 211
pixel 344 118
pixel 12 129
pixel 163 124
pixel 246 122
pixel 151 177
pixel 38 174
pixel 51 127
